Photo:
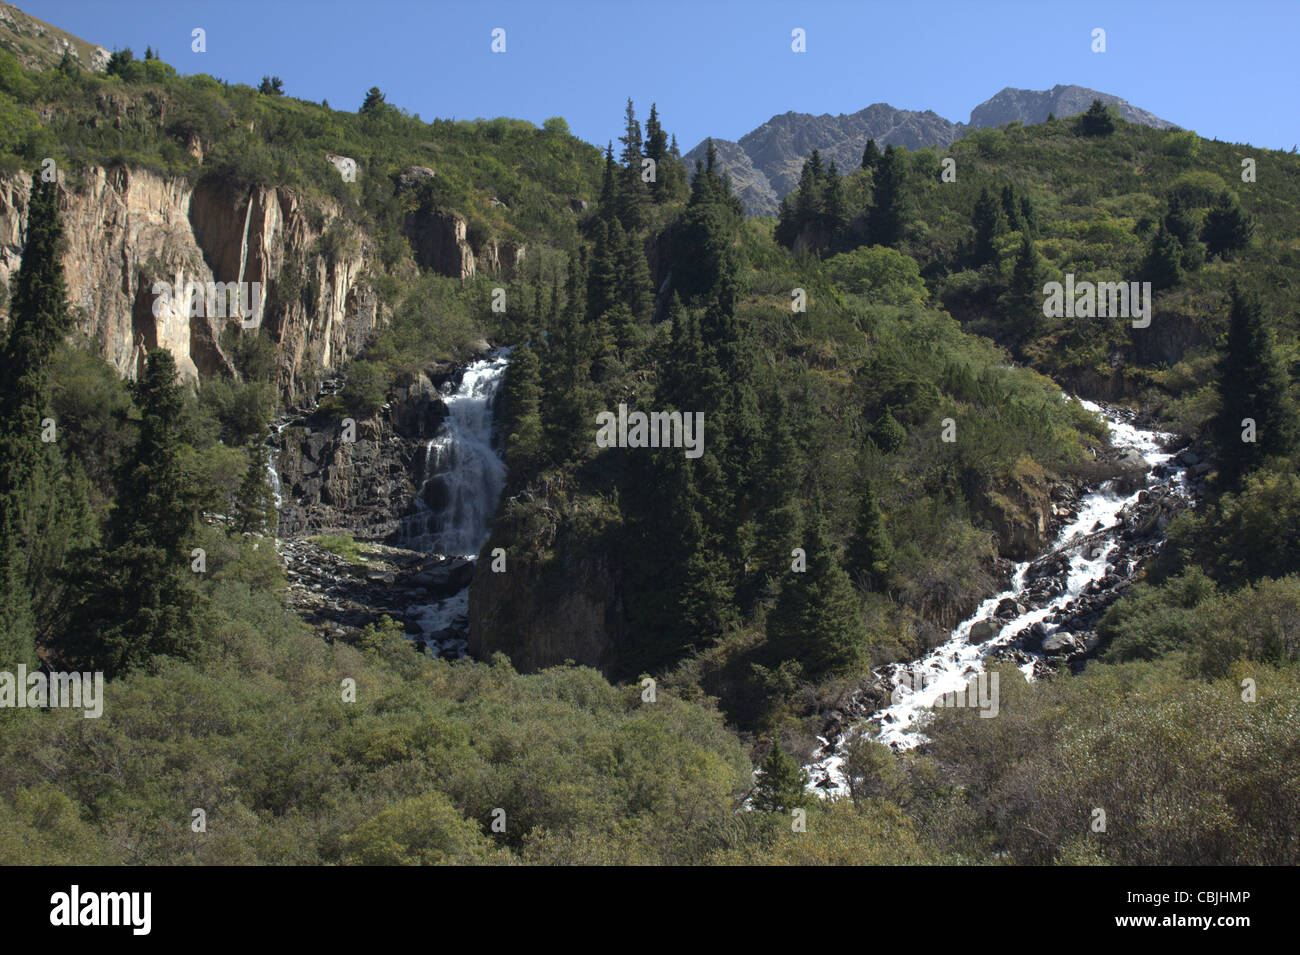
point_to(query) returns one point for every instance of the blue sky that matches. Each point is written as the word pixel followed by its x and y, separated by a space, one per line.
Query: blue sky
pixel 1230 71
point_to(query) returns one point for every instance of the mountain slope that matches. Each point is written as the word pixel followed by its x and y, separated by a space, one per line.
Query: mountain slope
pixel 764 165
pixel 39 46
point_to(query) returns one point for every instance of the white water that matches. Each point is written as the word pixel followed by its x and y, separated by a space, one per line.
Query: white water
pixel 463 473
pixel 948 668
pixel 463 479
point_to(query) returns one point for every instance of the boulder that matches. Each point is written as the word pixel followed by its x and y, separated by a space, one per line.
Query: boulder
pixel 984 630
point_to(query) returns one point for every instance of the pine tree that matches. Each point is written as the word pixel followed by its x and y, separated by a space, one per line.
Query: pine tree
pixel 140 601
pixel 871 155
pixel 1097 121
pixel 609 185
pixel 30 473
pixel 255 511
pixel 522 394
pixel 781 784
pixel 816 619
pixel 777 499
pixel 635 288
pixel 1162 266
pixel 988 223
pixel 1227 227
pixel 656 148
pixel 632 193
pixel 1011 208
pixel 885 220
pixel 1254 384
pixel 836 216
pixel 1023 299
pixel 870 551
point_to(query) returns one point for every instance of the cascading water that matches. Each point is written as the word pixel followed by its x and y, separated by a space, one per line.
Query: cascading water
pixel 947 669
pixel 463 478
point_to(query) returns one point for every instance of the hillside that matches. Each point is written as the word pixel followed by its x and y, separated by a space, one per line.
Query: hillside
pixel 549 512
pixel 764 164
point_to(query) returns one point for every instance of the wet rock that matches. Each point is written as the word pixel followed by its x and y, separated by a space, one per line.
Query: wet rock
pixel 984 630
pixel 1060 643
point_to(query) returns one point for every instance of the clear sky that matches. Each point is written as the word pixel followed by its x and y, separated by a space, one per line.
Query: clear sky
pixel 1228 70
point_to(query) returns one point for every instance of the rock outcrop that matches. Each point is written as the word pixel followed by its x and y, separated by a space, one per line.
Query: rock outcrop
pixel 129 229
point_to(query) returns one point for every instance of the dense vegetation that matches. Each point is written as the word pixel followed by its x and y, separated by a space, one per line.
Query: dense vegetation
pixel 828 351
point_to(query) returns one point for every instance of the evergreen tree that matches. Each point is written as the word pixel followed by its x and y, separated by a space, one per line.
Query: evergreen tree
pixel 255 511
pixel 870 551
pixel 1023 300
pixel 1011 208
pixel 635 288
pixel 1162 266
pixel 836 216
pixel 816 619
pixel 1227 227
pixel 522 393
pixel 1254 384
pixel 787 224
pixel 632 193
pixel 609 185
pixel 374 102
pixel 30 469
pixel 885 220
pixel 988 223
pixel 781 784
pixel 656 148
pixel 777 499
pixel 140 601
pixel 871 155
pixel 1097 120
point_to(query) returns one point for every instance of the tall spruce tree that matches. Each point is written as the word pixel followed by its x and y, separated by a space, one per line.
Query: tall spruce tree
pixel 1255 387
pixel 32 488
pixel 870 551
pixel 1227 227
pixel 885 220
pixel 817 618
pixel 781 784
pixel 1163 264
pixel 140 601
pixel 988 222
pixel 871 155
pixel 1023 300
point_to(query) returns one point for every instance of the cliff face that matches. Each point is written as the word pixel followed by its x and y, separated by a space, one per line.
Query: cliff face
pixel 128 229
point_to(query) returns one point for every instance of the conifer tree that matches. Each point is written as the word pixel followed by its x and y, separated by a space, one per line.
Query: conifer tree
pixel 1254 385
pixel 522 393
pixel 30 470
pixel 988 223
pixel 1011 208
pixel 1097 120
pixel 816 619
pixel 140 600
pixel 1023 299
pixel 836 216
pixel 255 511
pixel 871 155
pixel 870 551
pixel 776 498
pixel 1227 227
pixel 656 148
pixel 781 784
pixel 632 193
pixel 885 220
pixel 1162 266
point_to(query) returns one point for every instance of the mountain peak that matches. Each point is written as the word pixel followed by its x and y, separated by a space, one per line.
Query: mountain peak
pixel 764 164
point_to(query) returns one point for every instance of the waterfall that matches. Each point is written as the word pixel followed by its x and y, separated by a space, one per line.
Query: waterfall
pixel 463 472
pixel 916 686
pixel 463 476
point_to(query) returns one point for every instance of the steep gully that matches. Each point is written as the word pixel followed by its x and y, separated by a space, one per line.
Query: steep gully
pixel 1046 616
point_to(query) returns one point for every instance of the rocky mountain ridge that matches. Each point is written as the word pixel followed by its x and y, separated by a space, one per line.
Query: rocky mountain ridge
pixel 764 164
